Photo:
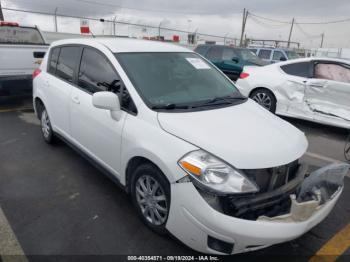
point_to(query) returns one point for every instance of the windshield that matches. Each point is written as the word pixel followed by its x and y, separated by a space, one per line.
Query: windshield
pixel 292 54
pixel 20 35
pixel 175 78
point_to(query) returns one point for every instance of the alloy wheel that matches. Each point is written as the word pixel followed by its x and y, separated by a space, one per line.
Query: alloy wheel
pixel 151 199
pixel 263 99
pixel 45 124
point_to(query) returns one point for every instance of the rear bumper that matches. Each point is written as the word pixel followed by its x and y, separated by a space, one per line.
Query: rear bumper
pixel 16 85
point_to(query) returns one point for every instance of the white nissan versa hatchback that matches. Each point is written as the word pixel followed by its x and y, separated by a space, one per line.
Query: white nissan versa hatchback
pixel 201 161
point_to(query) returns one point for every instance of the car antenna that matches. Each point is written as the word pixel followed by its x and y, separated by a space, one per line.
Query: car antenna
pixel 92 34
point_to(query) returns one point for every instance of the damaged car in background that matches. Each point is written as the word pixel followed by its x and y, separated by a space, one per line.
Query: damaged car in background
pixel 315 89
pixel 182 140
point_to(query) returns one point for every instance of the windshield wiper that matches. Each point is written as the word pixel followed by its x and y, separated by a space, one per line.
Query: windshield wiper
pixel 170 107
pixel 224 100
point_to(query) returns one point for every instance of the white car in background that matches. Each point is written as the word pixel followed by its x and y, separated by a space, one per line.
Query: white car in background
pixel 315 89
pixel 180 138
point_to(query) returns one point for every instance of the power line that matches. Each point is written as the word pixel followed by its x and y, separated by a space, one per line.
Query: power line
pixel 111 21
pixel 302 23
pixel 266 25
pixel 307 34
pixel 145 9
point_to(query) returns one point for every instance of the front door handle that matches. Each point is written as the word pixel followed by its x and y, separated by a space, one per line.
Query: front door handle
pixel 76 100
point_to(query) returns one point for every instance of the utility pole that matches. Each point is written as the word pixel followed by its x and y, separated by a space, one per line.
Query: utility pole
pixel 114 25
pixel 1 14
pixel 56 27
pixel 322 38
pixel 244 21
pixel 290 33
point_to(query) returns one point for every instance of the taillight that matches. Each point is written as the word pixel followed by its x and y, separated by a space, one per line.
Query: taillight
pixel 36 72
pixel 3 23
pixel 243 75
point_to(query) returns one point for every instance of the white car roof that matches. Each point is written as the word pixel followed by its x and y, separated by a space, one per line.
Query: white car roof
pixel 122 45
pixel 308 59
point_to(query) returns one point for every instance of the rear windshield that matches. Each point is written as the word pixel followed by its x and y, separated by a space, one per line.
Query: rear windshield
pixel 20 35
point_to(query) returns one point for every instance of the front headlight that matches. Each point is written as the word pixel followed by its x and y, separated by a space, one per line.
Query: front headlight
pixel 215 175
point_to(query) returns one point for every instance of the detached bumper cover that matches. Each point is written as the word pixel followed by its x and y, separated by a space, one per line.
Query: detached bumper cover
pixel 192 219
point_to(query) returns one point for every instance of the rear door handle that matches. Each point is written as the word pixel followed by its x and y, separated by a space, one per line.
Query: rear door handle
pixel 76 100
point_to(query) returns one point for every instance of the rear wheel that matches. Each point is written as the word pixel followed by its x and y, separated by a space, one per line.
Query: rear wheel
pixel 264 98
pixel 46 127
pixel 150 192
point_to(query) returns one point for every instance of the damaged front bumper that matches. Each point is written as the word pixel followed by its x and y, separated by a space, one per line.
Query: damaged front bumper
pixel 195 219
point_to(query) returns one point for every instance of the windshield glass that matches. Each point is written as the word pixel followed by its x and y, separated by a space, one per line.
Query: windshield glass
pixel 20 35
pixel 175 78
pixel 292 55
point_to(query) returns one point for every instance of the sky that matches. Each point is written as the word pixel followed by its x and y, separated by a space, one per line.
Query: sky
pixel 217 17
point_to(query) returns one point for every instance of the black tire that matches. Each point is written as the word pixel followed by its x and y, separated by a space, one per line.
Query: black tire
pixel 150 203
pixel 265 98
pixel 46 128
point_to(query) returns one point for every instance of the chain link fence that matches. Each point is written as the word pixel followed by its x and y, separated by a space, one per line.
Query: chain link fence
pixel 58 26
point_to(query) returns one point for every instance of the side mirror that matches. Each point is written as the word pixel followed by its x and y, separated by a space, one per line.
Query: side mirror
pixel 235 59
pixel 283 58
pixel 108 101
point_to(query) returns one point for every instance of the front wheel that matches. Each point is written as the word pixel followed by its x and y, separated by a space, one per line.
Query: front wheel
pixel 265 98
pixel 150 192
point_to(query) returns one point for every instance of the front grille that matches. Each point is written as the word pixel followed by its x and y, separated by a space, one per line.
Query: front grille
pixel 269 179
pixel 276 185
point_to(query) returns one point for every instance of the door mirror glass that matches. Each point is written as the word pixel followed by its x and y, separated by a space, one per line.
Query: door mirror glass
pixel 108 101
pixel 235 59
pixel 283 58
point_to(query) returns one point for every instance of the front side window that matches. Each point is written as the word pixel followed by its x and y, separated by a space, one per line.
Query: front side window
pixel 249 56
pixel 330 71
pixel 302 69
pixel 175 78
pixel 96 74
pixel 67 62
pixel 53 60
pixel 278 56
pixel 292 55
pixel 215 53
pixel 202 49
pixel 254 50
pixel 228 54
pixel 264 54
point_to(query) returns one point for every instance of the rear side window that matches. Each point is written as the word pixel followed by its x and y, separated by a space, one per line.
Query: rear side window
pixel 215 53
pixel 53 60
pixel 302 69
pixel 67 61
pixel 264 54
pixel 96 74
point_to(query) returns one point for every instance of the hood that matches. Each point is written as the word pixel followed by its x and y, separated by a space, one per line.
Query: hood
pixel 246 135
